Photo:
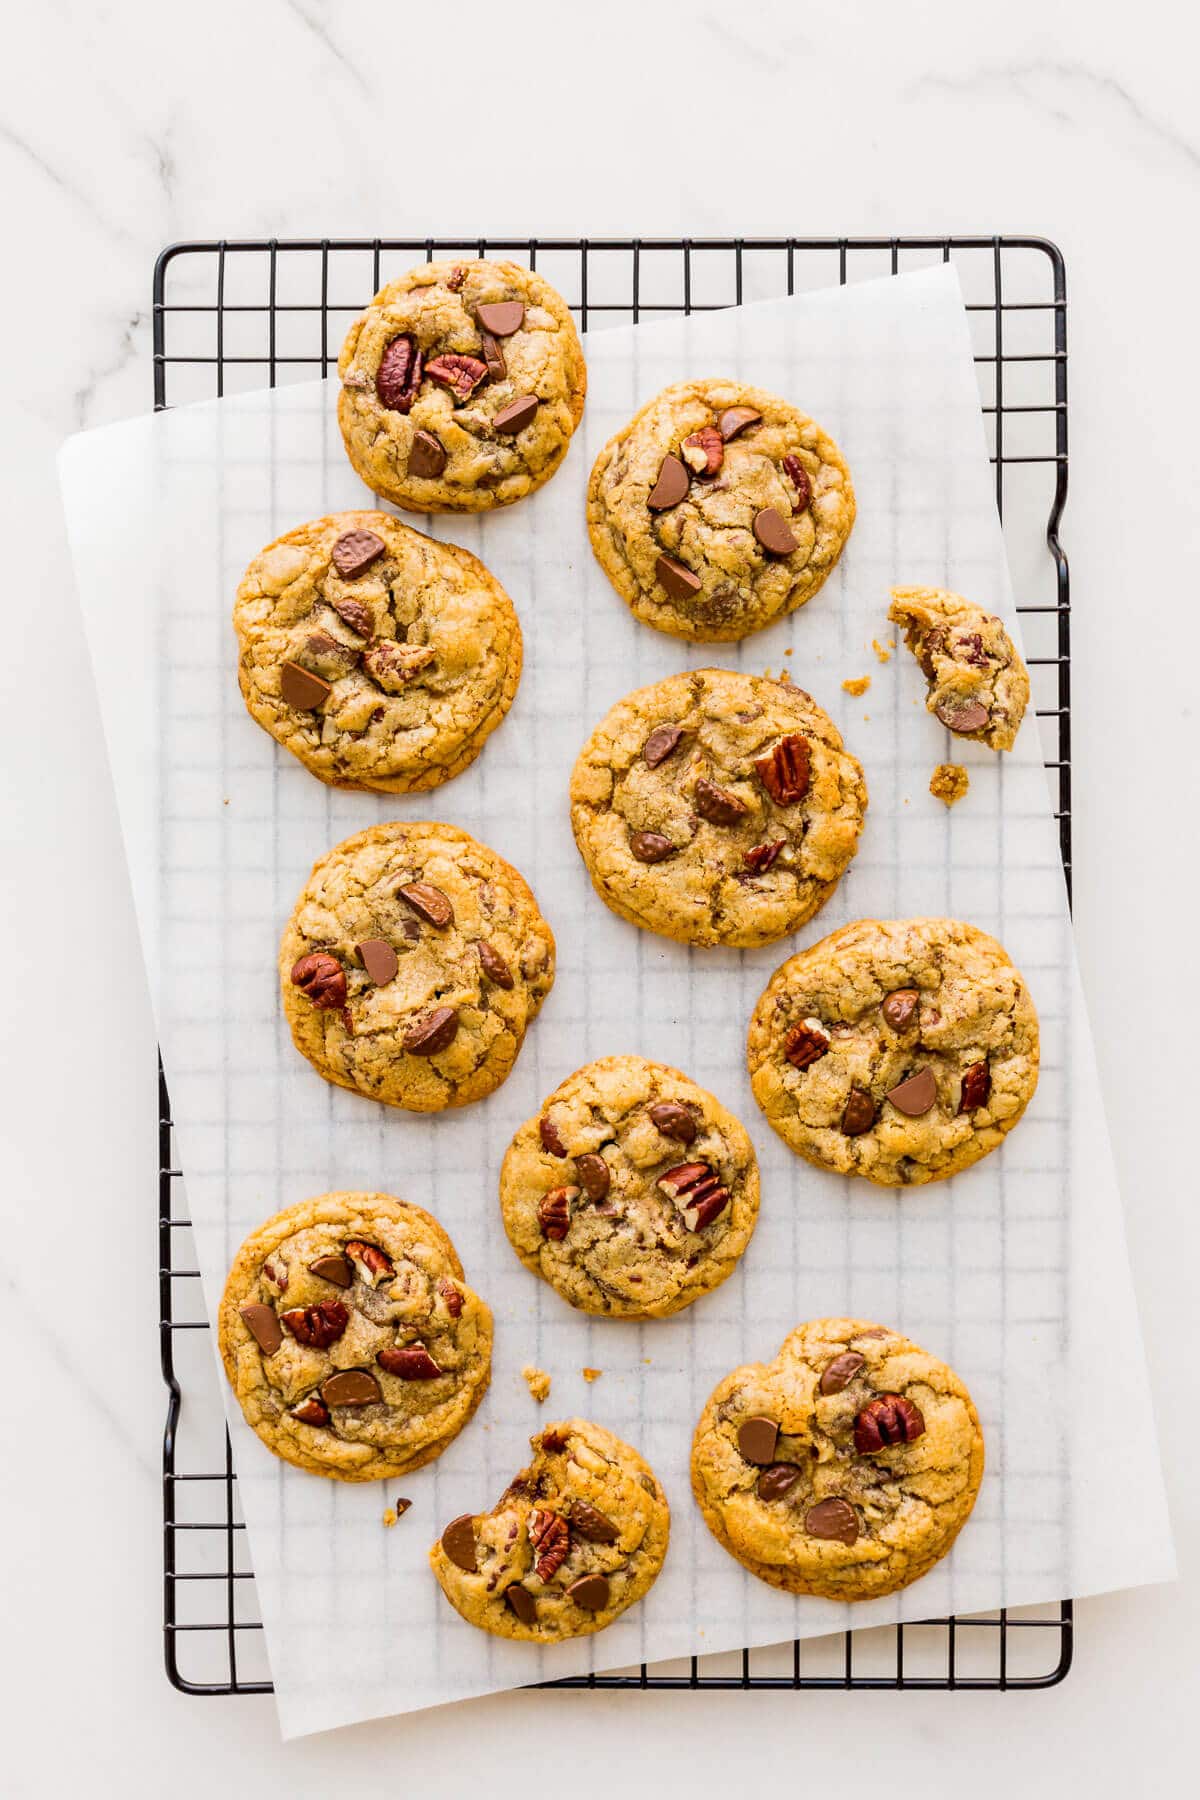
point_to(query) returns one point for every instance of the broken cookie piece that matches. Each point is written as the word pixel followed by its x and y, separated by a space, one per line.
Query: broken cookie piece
pixel 949 782
pixel 978 685
pixel 537 1381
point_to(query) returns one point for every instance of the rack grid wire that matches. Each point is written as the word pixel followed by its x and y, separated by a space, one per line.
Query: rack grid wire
pixel 232 315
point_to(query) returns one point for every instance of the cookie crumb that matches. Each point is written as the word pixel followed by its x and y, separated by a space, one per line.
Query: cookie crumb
pixel 883 651
pixel 949 782
pixel 592 1374
pixel 788 651
pixel 857 685
pixel 537 1381
pixel 396 1511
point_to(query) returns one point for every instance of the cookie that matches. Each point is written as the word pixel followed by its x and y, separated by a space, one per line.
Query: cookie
pixel 898 1049
pixel 717 808
pixel 413 961
pixel 845 1468
pixel 718 509
pixel 353 1343
pixel 978 685
pixel 575 1539
pixel 379 657
pixel 461 386
pixel 633 1192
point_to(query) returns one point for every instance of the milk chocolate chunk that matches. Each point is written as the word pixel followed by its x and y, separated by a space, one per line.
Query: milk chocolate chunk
pixel 301 688
pixel 676 578
pixel 354 553
pixel 263 1327
pixel 757 1438
pixel 671 486
pixel 426 456
pixel 916 1094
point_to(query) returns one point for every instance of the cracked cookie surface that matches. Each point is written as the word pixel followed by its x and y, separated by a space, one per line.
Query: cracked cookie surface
pixel 978 685
pixel 899 1049
pixel 749 500
pixel 413 961
pixel 575 1539
pixel 462 384
pixel 717 808
pixel 583 1200
pixel 352 1341
pixel 845 1468
pixel 379 657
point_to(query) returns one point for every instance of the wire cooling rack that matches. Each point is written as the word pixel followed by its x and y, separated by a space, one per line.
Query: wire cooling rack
pixel 231 316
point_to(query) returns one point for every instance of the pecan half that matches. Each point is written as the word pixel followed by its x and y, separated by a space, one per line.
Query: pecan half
pixel 411 1362
pixel 651 846
pixel 321 979
pixel 461 374
pixel 554 1213
pixel 318 1326
pixel 697 1192
pixel 456 277
pixel 550 1540
pixel 429 902
pixel 551 1136
pixel 399 374
pixel 394 665
pixel 432 1032
pixel 371 1264
pixel 762 856
pixel 704 451
pixel 786 770
pixel 452 1297
pixel 976 1086
pixel 886 1420
pixel 798 475
pixel 717 804
pixel 971 644
pixel 806 1044
pixel 312 1411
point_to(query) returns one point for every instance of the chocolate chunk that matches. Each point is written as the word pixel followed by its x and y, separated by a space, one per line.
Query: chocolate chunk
pixel 494 965
pixel 493 356
pixel 589 1592
pixel 378 959
pixel 301 688
pixel 660 744
pixel 735 419
pixel 351 1387
pixel 717 804
pixel 651 846
pixel 458 1541
pixel 832 1519
pixel 674 1120
pixel 426 456
pixel 594 1174
pixel 519 1600
pixel 676 578
pixel 976 1086
pixel 590 1523
pixel 500 317
pixel 356 615
pixel 551 1136
pixel 963 715
pixel 434 906
pixel 773 532
pixel 900 1008
pixel 672 484
pixel 915 1094
pixel 432 1032
pixel 263 1327
pixel 757 1438
pixel 840 1372
pixel 858 1115
pixel 354 553
pixel 777 1480
pixel 333 1268
pixel 516 415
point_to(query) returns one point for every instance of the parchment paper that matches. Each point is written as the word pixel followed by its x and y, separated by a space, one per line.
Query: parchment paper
pixel 1015 1272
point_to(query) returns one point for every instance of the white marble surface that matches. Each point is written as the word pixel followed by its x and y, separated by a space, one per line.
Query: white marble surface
pixel 123 127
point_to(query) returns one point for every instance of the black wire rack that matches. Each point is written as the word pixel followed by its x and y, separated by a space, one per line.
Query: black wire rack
pixel 230 316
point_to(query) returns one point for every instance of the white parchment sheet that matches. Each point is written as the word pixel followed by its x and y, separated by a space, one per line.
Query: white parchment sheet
pixel 1014 1272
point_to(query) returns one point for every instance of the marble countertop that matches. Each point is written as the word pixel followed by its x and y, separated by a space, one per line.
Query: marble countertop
pixel 130 126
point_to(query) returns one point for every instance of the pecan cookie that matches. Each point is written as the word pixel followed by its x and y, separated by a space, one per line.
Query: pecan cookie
pixel 717 808
pixel 978 685
pixel 575 1538
pixel 633 1192
pixel 412 963
pixel 845 1468
pixel 461 386
pixel 717 509
pixel 377 656
pixel 898 1049
pixel 350 1338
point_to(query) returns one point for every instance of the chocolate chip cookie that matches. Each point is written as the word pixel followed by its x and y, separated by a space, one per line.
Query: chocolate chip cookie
pixel 718 508
pixel 573 1541
pixel 978 685
pixel 898 1049
pixel 633 1192
pixel 461 386
pixel 717 808
pixel 350 1338
pixel 379 657
pixel 845 1468
pixel 412 964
